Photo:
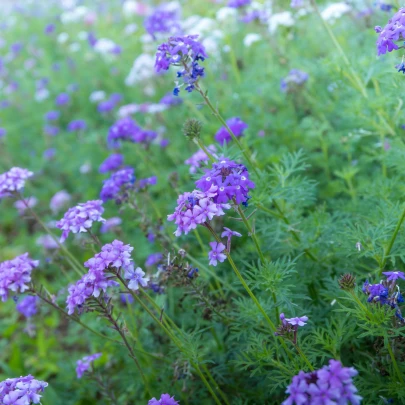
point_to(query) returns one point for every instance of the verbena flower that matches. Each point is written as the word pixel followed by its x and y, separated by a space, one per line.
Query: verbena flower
pixel 15 274
pixel 51 130
pixel 296 3
pixel 153 259
pixel 52 115
pixel 184 51
pixel 393 31
pixel 169 99
pixel 59 200
pixel 135 277
pixel 144 183
pixel 331 384
pixel 230 178
pixel 80 218
pixel 110 224
pixel 295 78
pixel 394 275
pixel 196 208
pixel 21 391
pixel 163 20
pixel 28 306
pixel 215 254
pixel 85 363
pixel 298 321
pixel 228 233
pixel 165 399
pixel 119 181
pixel 13 180
pixel 22 206
pixel 238 3
pixel 198 158
pixel 62 99
pixel 112 163
pixel 47 242
pixel 76 125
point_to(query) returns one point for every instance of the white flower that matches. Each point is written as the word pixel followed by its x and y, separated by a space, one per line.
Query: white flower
pixel 105 46
pixel 62 37
pixel 130 29
pixel 225 13
pixel 284 19
pixel 142 69
pixel 42 95
pixel 97 96
pixel 335 11
pixel 75 47
pixel 251 39
pixel 135 277
pixel 83 35
pixel 74 15
pixel 131 8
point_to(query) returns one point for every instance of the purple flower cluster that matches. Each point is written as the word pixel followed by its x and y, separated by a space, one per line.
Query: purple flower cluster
pixel 112 163
pixel 123 179
pixel 84 364
pixel 216 253
pixel 387 292
pixel 393 31
pixel 21 391
pixel 165 399
pixel 126 129
pixel 169 99
pixel 231 180
pixel 289 327
pixel 183 51
pixel 198 158
pixel 62 99
pixel 153 259
pixel 331 384
pixel 196 208
pixel 59 200
pixel 294 78
pixel 144 183
pixel 163 20
pixel 52 115
pixel 15 274
pixel 114 254
pixel 236 125
pixel 238 3
pixel 80 218
pixel 110 224
pixel 135 277
pixel 13 180
pixel 76 125
pixel 108 105
pixel 28 306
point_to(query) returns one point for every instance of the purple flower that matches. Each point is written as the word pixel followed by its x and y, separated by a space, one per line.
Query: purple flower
pixel 13 180
pixel 22 206
pixel 393 31
pixel 80 218
pixel 163 20
pixel 153 259
pixel 296 3
pixel 51 130
pixel 76 125
pixel 84 364
pixel 15 274
pixel 110 224
pixel 3 132
pixel 49 29
pixel 62 99
pixel 59 200
pixel 185 51
pixel 228 233
pixel 394 275
pixel 236 125
pixel 170 100
pixel 135 277
pixel 330 385
pixel 238 3
pixel 231 180
pixel 199 157
pixel 195 208
pixel 47 242
pixel 124 178
pixel 298 321
pixel 28 306
pixel 112 163
pixel 149 181
pixel 52 115
pixel 123 130
pixel 294 78
pixel 106 106
pixel 21 391
pixel 215 254
pixel 165 399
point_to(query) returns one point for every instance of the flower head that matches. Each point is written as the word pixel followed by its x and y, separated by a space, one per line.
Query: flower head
pixel 59 200
pixel 21 390
pixel 228 233
pixel 76 125
pixel 195 208
pixel 299 321
pixel 295 78
pixel 236 125
pixel 62 99
pixel 135 277
pixel 153 259
pixel 163 20
pixel 122 179
pixel 165 399
pixel 215 254
pixel 112 163
pixel 230 178
pixel 110 224
pixel 15 274
pixel 198 158
pixel 238 3
pixel 80 218
pixel 28 306
pixel 13 180
pixel 394 275
pixel 52 115
pixel 393 31
pixel 183 51
pixel 84 364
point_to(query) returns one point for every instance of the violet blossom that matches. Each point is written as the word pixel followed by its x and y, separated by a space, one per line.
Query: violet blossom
pixel 165 399
pixel 84 364
pixel 21 390
pixel 393 31
pixel 28 306
pixel 13 180
pixel 119 181
pixel 135 277
pixel 112 163
pixel 198 158
pixel 236 125
pixel 215 254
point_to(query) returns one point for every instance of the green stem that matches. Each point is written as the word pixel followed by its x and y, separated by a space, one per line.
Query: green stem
pixel 303 357
pixel 394 361
pixel 387 250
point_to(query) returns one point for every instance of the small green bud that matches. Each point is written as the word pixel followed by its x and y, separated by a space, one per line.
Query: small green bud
pixel 347 282
pixel 192 128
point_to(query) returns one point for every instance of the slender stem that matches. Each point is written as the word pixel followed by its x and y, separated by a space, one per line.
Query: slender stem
pixel 356 298
pixel 223 396
pixel 206 151
pixel 302 355
pixel 394 362
pixel 387 250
